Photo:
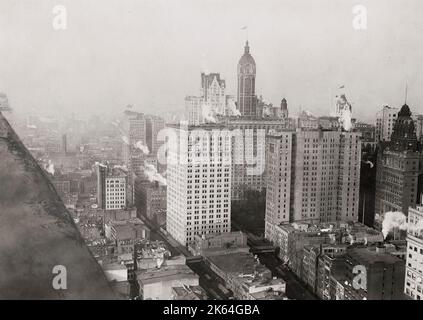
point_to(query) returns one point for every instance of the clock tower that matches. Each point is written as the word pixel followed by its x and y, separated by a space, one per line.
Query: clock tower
pixel 246 83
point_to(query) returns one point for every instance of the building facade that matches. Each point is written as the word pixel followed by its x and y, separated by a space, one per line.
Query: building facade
pixel 199 182
pixel 111 188
pixel 385 120
pixel 213 90
pixel 193 109
pixel 312 176
pixel 151 199
pixel 399 169
pixel 414 265
pixel 248 151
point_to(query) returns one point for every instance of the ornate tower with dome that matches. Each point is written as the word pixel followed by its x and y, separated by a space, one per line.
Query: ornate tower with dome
pixel 246 83
pixel 404 137
pixel 399 171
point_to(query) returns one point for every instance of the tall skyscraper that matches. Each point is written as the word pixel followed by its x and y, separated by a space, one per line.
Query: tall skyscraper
pixel 199 182
pixel 246 97
pixel 414 266
pixel 312 176
pixel 399 168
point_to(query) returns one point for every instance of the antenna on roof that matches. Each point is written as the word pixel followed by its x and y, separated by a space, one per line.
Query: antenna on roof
pixel 406 91
pixel 246 32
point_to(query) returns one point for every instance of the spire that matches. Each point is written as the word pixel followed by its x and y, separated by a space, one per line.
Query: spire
pixel 247 47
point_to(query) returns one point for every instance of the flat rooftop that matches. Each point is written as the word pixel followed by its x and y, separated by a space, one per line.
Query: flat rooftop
pixel 166 273
pixel 364 255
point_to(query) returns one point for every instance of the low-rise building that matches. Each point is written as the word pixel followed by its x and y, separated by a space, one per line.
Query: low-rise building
pixel 244 275
pixel 124 235
pixel 208 244
pixel 158 283
pixel 328 266
pixel 384 273
pixel 360 273
pixel 150 254
pixel 152 201
pixel 290 239
pixel 311 254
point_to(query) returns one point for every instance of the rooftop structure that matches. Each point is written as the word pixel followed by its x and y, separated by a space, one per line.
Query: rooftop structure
pixel 188 293
pixel 244 274
pixel 157 284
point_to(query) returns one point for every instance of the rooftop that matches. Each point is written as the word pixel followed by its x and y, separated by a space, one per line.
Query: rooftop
pixel 165 273
pixel 366 256
pixel 38 232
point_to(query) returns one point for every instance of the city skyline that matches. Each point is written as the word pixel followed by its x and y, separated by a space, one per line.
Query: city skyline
pixel 211 150
pixel 304 51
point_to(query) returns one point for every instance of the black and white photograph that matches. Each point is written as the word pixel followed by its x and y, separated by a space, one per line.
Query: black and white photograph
pixel 246 153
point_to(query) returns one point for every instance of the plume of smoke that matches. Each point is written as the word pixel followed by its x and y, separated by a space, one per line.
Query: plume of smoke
pixel 151 173
pixel 266 112
pixel 309 114
pixel 369 163
pixel 351 238
pixel 99 164
pixel 124 168
pixel 233 111
pixel 345 119
pixel 49 167
pixel 125 140
pixel 393 219
pixel 142 147
pixel 208 114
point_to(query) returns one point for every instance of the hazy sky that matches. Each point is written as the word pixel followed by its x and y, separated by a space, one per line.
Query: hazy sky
pixel 150 52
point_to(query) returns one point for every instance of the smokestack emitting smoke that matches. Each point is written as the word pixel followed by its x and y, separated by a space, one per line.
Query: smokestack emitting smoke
pixel 346 120
pixel 99 164
pixel 208 114
pixel 125 140
pixel 309 114
pixel 393 220
pixel 266 111
pixel 124 168
pixel 50 167
pixel 232 109
pixel 151 173
pixel 142 147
